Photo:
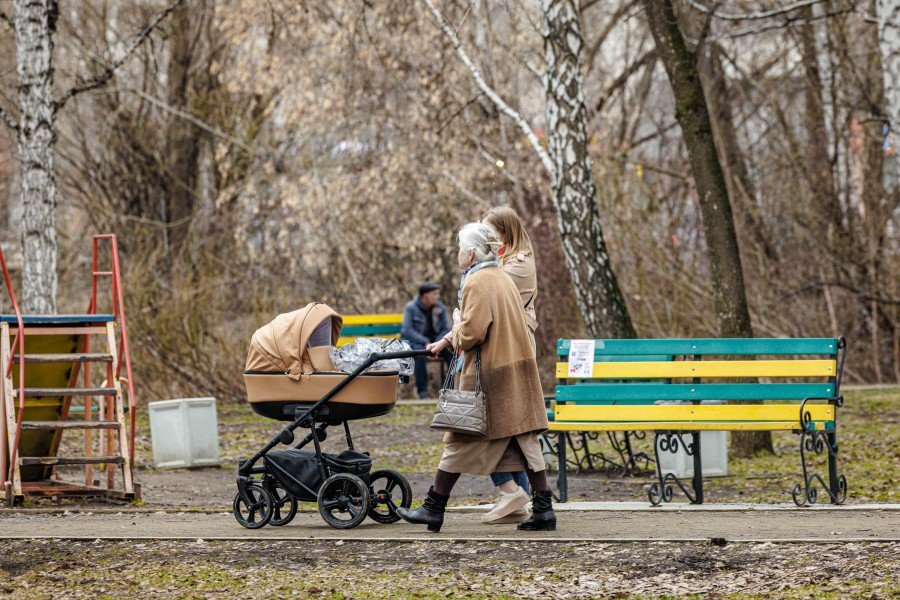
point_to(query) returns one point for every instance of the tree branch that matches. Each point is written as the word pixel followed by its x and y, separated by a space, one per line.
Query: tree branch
pixel 862 294
pixel 649 58
pixel 763 14
pixel 9 120
pixel 786 22
pixel 488 90
pixel 100 79
pixel 707 25
pixel 190 118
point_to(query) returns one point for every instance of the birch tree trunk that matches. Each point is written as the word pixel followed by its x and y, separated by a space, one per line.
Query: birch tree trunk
pixel 34 22
pixel 889 43
pixel 692 114
pixel 574 194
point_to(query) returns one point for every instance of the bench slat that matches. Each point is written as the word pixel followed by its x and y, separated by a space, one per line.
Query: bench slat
pixel 704 346
pixel 709 368
pixel 344 340
pixel 692 412
pixel 390 319
pixel 361 330
pixel 687 426
pixel 647 393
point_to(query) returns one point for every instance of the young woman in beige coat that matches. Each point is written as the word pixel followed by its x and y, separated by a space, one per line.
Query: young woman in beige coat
pixel 492 321
pixel 517 260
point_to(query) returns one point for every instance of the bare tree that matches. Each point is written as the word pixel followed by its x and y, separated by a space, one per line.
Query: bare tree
pixel 692 113
pixel 740 186
pixel 889 43
pixel 574 193
pixel 597 291
pixel 34 24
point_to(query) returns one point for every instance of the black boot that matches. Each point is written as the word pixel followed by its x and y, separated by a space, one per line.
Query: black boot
pixel 542 517
pixel 431 512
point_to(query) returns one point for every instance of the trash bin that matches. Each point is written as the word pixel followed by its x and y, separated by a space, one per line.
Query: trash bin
pixel 713 453
pixel 184 433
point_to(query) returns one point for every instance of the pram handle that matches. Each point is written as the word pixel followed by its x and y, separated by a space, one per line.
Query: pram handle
pixel 377 356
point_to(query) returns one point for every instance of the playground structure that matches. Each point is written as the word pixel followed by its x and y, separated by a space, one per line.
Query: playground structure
pixel 51 386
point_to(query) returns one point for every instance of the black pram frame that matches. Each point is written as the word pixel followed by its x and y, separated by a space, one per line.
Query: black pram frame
pixel 345 488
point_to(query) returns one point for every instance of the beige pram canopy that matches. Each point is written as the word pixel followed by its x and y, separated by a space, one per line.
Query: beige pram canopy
pixel 296 342
pixel 289 364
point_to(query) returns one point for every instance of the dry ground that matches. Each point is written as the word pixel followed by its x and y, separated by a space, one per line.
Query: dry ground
pixel 201 569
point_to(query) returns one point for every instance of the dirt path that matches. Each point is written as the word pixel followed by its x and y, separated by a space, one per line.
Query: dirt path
pixel 668 525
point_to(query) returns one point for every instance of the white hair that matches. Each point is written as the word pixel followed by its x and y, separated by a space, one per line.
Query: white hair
pixel 480 239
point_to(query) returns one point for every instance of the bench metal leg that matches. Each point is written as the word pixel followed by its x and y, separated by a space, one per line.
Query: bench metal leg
pixel 661 490
pixel 562 481
pixel 816 442
pixel 698 469
pixel 836 483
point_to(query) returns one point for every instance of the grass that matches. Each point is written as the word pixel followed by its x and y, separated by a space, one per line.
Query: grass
pixel 868 439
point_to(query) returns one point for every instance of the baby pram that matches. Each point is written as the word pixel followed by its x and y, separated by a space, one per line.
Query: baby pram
pixel 290 377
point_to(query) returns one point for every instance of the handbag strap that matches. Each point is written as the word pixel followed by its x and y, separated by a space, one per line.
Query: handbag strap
pixel 451 370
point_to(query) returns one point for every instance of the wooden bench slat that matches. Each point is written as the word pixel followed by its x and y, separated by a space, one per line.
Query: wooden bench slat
pixel 715 346
pixel 647 393
pixel 343 341
pixel 362 330
pixel 387 319
pixel 693 369
pixel 707 368
pixel 692 412
pixel 687 426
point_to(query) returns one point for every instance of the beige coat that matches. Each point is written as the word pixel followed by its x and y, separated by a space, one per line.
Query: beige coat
pixel 523 271
pixel 494 320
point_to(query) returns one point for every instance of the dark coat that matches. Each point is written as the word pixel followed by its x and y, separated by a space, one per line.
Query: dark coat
pixel 415 322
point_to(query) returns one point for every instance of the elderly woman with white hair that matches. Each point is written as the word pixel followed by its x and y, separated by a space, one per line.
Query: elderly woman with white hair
pixel 493 321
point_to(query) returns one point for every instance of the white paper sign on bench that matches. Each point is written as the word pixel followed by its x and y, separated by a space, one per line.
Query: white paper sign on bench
pixel 581 359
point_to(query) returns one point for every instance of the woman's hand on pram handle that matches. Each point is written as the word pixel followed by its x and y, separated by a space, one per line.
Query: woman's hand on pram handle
pixel 436 347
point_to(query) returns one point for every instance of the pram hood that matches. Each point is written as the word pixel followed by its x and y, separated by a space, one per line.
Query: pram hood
pixel 296 343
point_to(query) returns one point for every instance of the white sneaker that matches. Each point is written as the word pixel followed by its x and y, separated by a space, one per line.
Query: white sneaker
pixel 515 517
pixel 510 504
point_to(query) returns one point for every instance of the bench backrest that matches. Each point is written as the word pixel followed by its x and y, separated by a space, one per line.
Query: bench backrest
pixel 384 326
pixel 650 371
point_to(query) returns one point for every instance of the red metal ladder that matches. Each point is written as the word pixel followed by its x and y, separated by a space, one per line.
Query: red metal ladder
pixel 116 438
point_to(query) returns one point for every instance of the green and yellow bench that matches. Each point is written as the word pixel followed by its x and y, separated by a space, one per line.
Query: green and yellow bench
pixel 383 326
pixel 657 385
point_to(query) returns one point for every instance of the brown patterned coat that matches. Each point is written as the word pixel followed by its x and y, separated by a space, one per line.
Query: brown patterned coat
pixel 493 319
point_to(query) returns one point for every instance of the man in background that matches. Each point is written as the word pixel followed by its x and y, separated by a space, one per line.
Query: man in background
pixel 425 320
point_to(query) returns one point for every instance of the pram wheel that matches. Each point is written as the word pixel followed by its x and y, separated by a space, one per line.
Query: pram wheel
pixel 344 501
pixel 390 491
pixel 258 512
pixel 284 504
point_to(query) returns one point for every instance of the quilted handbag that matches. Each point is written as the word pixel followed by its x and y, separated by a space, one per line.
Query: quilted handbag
pixel 461 411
